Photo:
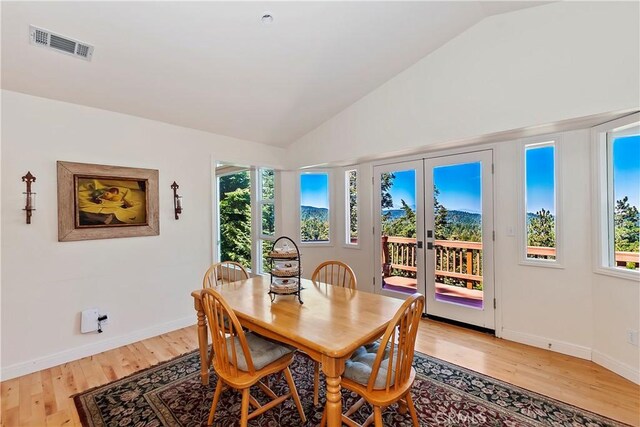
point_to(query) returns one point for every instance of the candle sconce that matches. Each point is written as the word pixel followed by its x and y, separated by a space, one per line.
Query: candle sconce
pixel 177 200
pixel 30 202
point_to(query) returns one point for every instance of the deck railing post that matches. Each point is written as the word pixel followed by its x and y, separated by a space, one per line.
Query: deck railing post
pixel 386 262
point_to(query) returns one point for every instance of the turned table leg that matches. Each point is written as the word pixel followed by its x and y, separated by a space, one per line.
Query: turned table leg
pixel 203 342
pixel 333 368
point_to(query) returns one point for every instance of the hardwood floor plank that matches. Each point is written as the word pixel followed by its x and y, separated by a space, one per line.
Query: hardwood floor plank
pixel 43 398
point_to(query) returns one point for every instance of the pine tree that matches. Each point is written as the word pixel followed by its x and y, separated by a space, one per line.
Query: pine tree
pixel 627 226
pixel 441 222
pixel 541 230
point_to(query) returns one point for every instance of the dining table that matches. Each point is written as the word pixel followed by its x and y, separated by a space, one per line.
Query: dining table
pixel 330 324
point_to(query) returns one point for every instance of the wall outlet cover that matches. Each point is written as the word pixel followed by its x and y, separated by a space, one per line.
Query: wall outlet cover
pixel 89 321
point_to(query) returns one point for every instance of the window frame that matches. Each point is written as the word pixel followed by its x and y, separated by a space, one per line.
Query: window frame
pixel 603 199
pixel 329 174
pixel 260 238
pixel 554 140
pixel 347 208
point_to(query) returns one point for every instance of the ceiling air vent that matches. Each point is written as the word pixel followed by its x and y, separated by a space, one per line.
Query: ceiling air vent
pixel 49 40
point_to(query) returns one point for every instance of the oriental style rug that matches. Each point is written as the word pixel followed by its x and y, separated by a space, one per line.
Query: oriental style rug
pixel 171 394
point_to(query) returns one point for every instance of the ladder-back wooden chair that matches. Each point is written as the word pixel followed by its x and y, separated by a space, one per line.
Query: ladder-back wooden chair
pixel 242 360
pixel 222 273
pixel 387 378
pixel 335 273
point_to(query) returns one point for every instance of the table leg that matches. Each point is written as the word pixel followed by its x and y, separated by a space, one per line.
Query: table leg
pixel 333 368
pixel 203 343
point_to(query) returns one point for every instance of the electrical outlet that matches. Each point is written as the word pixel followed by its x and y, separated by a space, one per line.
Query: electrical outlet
pixel 632 337
pixel 89 320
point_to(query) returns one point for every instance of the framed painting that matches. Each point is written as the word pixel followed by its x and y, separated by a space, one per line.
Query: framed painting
pixel 105 202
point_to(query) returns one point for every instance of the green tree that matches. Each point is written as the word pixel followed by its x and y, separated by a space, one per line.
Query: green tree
pixel 314 229
pixel 386 182
pixel 626 226
pixel 232 182
pixel 235 227
pixel 353 206
pixel 541 230
pixel 404 226
pixel 441 221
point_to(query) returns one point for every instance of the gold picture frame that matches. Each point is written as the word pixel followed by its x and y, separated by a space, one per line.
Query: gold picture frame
pixel 106 202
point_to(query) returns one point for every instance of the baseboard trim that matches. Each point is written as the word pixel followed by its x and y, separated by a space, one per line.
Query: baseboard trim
pixel 547 343
pixel 622 369
pixel 34 365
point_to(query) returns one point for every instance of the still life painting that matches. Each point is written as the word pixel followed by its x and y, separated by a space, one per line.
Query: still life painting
pixel 104 202
pixel 110 202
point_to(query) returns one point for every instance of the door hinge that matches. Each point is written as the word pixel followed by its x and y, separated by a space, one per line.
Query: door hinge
pixel 374 281
pixel 372 182
pixel 493 235
pixel 495 304
pixel 493 169
pixel 373 229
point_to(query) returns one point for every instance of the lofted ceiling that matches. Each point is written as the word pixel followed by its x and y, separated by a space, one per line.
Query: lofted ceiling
pixel 215 66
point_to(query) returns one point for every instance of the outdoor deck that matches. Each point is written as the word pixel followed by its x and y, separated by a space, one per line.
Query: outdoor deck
pixel 458 267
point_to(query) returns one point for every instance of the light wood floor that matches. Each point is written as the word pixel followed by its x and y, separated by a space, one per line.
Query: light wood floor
pixel 42 398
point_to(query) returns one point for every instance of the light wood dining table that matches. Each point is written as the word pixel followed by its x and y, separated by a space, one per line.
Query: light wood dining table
pixel 331 324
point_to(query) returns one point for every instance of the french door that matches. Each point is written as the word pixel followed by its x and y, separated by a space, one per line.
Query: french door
pixel 399 228
pixel 459 238
pixel 433 222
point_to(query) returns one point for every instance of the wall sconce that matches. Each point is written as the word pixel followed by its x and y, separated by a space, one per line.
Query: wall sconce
pixel 30 203
pixel 177 200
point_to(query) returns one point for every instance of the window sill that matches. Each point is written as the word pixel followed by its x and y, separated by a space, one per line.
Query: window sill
pixel 315 244
pixel 543 264
pixel 618 272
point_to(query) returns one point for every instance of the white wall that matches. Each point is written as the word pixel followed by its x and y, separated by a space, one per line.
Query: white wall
pixel 531 67
pixel 144 282
pixel 528 68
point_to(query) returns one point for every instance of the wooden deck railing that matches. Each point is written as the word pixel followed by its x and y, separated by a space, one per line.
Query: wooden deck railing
pixel 459 261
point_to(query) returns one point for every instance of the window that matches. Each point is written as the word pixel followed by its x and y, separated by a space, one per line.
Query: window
pixel 623 219
pixel 267 225
pixel 314 207
pixel 540 218
pixel 351 204
pixel 617 198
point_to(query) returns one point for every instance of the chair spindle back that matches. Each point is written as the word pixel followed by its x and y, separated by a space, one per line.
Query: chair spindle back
pixel 335 273
pixel 223 273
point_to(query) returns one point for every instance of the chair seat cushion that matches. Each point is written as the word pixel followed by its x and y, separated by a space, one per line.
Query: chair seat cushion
pixel 263 352
pixel 359 366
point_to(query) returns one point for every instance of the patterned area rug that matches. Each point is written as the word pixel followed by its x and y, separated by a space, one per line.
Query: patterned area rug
pixel 171 394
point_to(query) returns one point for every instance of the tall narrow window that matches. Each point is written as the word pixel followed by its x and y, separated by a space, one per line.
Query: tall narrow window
pixel 266 197
pixel 623 161
pixel 351 204
pixel 314 207
pixel 540 201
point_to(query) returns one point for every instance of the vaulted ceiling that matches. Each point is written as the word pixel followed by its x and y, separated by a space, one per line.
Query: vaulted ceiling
pixel 215 66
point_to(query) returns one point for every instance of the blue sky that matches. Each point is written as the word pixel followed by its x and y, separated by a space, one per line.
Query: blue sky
pixel 404 188
pixel 460 186
pixel 540 179
pixel 314 190
pixel 626 168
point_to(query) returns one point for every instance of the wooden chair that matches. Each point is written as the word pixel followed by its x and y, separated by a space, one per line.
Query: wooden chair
pixel 335 273
pixel 222 273
pixel 243 360
pixel 387 378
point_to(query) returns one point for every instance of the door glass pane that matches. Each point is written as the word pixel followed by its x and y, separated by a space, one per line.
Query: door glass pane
pixel 457 208
pixel 234 207
pixel 398 219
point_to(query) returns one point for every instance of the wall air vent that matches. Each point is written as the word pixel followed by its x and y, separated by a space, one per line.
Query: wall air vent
pixel 49 40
